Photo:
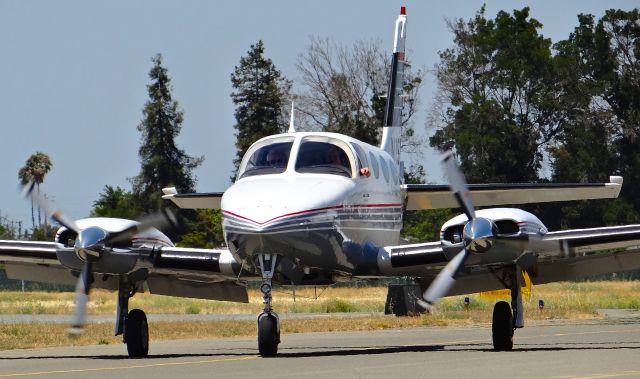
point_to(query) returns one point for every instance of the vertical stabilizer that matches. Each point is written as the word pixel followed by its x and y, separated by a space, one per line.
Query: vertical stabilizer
pixel 393 113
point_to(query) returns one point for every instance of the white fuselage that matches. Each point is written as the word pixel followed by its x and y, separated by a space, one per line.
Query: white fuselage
pixel 314 213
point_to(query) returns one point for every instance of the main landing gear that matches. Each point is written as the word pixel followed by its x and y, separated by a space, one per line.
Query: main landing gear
pixel 268 322
pixel 505 322
pixel 132 324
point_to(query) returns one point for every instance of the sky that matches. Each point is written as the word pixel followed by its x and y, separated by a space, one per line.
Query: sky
pixel 73 75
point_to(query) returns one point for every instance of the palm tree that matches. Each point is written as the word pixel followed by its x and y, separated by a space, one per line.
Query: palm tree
pixel 34 170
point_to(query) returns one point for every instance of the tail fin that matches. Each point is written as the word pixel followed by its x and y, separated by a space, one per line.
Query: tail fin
pixel 393 112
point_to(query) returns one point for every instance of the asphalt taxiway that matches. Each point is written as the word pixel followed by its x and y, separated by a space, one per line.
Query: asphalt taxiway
pixel 608 348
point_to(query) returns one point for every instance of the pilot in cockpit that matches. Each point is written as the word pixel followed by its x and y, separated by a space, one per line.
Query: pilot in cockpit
pixel 275 158
pixel 332 156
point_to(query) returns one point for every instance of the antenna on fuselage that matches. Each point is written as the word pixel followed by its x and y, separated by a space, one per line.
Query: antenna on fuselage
pixel 292 129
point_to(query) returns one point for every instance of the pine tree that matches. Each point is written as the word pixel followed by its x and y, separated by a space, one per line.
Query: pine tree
pixel 162 162
pixel 259 93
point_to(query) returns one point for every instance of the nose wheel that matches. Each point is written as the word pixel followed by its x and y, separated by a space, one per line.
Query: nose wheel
pixel 268 334
pixel 268 321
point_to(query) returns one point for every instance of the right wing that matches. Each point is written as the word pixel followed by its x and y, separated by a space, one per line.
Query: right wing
pixel 173 271
pixel 209 200
pixel 433 196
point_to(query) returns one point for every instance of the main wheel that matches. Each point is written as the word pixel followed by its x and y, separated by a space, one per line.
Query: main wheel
pixel 502 326
pixel 268 335
pixel 137 334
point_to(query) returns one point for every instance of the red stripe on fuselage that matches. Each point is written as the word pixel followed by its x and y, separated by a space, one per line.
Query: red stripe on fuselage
pixel 314 210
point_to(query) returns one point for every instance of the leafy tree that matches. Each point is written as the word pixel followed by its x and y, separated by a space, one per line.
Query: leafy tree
pixel 206 231
pixel 163 164
pixel 345 89
pixel 496 97
pixel 599 93
pixel 35 169
pixel 115 202
pixel 43 232
pixel 259 93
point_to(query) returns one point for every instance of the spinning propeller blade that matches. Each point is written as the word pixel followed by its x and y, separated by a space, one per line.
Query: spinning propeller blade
pixel 49 207
pixel 444 281
pixel 82 298
pixel 446 278
pixel 458 184
pixel 158 220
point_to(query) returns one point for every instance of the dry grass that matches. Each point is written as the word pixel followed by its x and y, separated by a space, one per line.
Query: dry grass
pixel 330 300
pixel 562 301
pixel 22 336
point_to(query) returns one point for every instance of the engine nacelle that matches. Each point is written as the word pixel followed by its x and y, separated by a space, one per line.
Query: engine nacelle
pixel 508 222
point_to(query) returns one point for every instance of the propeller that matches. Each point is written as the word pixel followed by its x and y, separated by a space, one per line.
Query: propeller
pixel 90 244
pixel 50 208
pixel 159 220
pixel 474 232
pixel 479 235
pixel 82 298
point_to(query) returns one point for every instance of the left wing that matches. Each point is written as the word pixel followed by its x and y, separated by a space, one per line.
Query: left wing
pixel 433 196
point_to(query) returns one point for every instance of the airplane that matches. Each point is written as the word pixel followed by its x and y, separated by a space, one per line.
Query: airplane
pixel 316 208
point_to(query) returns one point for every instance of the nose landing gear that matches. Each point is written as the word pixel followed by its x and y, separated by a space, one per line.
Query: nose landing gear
pixel 268 321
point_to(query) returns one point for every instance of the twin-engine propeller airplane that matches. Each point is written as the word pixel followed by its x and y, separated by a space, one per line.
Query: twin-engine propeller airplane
pixel 317 208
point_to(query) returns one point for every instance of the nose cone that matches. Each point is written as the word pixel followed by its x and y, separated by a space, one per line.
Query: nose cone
pixel 89 237
pixel 261 202
pixel 478 234
pixel 89 242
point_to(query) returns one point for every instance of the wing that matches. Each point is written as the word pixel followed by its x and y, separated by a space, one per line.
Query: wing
pixel 209 200
pixel 196 273
pixel 34 261
pixel 431 196
pixel 586 252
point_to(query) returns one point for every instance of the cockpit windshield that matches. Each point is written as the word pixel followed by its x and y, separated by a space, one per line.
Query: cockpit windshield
pixel 271 158
pixel 320 157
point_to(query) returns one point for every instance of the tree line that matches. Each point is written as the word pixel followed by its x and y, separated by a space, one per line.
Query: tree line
pixel 513 105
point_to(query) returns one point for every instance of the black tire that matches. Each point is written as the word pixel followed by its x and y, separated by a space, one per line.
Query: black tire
pixel 137 334
pixel 268 336
pixel 502 327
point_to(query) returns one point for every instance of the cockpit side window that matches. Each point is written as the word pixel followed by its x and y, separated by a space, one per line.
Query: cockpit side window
pixel 271 158
pixel 322 158
pixel 360 153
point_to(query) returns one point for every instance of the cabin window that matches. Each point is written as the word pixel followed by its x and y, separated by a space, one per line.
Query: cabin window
pixel 394 171
pixel 384 169
pixel 374 165
pixel 270 157
pixel 322 157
